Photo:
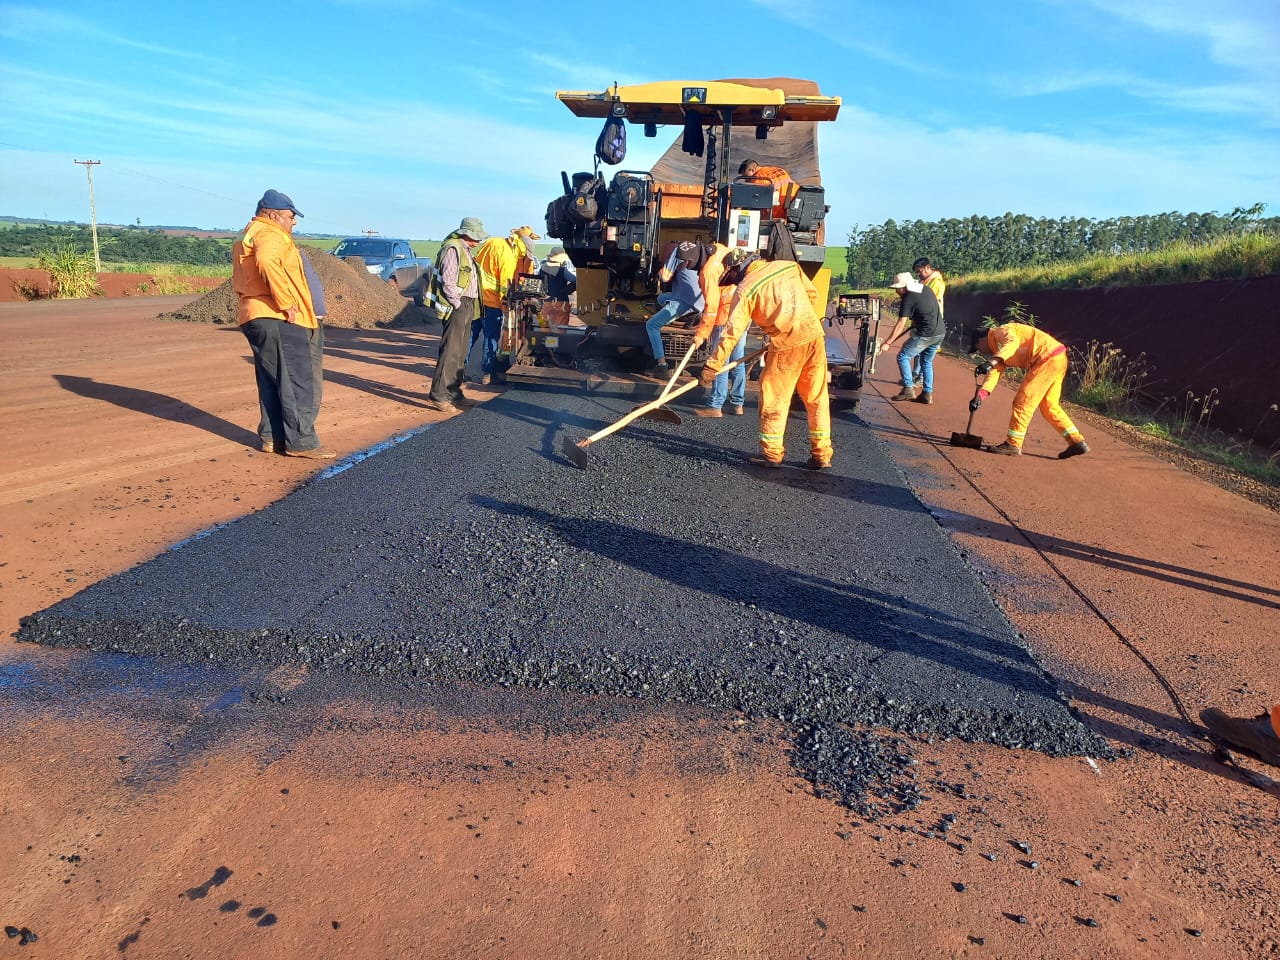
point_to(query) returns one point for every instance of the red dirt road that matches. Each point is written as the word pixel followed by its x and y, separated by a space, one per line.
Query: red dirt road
pixel 355 830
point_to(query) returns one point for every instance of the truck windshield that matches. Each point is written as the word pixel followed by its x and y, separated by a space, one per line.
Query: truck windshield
pixel 363 248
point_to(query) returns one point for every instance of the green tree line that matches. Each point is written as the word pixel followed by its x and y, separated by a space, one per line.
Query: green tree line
pixel 115 244
pixel 980 244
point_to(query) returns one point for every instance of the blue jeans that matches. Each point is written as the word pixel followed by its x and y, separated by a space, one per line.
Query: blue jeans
pixel 720 386
pixel 488 324
pixel 924 348
pixel 669 309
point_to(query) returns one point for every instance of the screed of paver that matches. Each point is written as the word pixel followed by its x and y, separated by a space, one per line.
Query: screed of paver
pixel 670 571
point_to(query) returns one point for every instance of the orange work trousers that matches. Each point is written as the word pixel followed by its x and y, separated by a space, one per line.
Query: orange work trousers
pixel 800 369
pixel 1042 388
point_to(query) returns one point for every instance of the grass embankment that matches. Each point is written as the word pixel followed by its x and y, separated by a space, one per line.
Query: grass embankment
pixel 1228 258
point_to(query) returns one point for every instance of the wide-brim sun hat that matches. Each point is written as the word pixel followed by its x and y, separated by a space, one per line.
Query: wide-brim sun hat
pixel 473 229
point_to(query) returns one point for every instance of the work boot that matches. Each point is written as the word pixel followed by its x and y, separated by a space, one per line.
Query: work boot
pixel 760 460
pixel 708 412
pixel 926 396
pixel 736 410
pixel 485 379
pixel 661 370
pixel 1006 448
pixel 1077 449
pixel 815 462
pixel 444 406
pixel 315 453
pixel 270 446
pixel 906 393
pixel 463 402
pixel 1255 737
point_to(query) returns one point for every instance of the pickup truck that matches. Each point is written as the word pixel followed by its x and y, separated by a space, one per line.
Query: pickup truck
pixel 389 260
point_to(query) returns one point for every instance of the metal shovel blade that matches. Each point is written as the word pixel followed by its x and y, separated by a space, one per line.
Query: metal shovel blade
pixel 663 415
pixel 575 452
pixel 966 440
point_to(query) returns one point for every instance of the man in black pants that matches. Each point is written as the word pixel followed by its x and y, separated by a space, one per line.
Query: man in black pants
pixel 278 317
pixel 459 285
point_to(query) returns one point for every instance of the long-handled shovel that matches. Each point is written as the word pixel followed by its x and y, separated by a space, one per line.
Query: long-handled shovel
pixel 968 439
pixel 577 452
pixel 662 413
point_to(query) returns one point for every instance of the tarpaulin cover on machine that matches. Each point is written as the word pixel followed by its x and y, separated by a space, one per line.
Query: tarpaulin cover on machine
pixel 793 146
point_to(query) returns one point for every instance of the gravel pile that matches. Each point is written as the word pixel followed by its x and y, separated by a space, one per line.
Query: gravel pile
pixel 669 572
pixel 353 297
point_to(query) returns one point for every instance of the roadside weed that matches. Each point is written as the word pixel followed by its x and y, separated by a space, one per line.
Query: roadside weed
pixel 1015 312
pixel 1103 379
pixel 71 270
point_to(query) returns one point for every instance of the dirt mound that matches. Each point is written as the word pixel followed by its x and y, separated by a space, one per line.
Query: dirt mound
pixel 353 297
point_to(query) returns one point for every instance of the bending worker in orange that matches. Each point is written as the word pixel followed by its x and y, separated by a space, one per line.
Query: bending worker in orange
pixel 780 299
pixel 1045 360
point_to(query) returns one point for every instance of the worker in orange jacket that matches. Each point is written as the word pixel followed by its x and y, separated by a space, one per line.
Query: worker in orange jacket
pixel 731 386
pixel 778 297
pixel 784 188
pixel 1258 736
pixel 277 315
pixel 1045 361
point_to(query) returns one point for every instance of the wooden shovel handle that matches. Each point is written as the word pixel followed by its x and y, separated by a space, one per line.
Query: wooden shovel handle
pixel 644 408
pixel 688 354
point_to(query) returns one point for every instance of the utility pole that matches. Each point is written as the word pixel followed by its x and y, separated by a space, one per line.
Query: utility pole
pixel 93 213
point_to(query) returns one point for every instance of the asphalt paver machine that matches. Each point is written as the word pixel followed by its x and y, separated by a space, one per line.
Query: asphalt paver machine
pixel 618 229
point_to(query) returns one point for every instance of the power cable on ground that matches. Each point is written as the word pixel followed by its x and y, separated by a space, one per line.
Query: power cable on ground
pixel 1058 571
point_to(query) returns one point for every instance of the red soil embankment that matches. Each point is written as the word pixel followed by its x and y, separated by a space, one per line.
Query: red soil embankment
pixel 1195 338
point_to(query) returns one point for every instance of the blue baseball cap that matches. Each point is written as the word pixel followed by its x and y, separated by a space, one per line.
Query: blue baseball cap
pixel 275 200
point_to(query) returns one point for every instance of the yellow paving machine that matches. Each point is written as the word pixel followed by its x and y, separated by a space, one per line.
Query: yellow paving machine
pixel 618 229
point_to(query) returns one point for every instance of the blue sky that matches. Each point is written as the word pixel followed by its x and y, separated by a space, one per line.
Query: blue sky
pixel 403 116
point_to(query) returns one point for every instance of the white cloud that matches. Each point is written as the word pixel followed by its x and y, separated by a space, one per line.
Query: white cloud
pixel 44 26
pixel 1241 36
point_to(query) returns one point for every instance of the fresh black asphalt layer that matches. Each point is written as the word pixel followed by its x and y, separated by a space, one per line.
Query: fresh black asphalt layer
pixel 671 570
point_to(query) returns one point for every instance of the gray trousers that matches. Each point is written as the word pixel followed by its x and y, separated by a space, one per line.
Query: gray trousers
pixel 451 360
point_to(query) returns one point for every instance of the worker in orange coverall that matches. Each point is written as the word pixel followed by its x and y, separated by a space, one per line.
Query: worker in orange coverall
pixel 731 386
pixel 778 297
pixel 1258 736
pixel 1045 361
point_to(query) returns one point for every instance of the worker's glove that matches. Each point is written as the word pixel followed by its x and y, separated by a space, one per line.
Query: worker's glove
pixel 985 367
pixel 974 404
pixel 697 342
pixel 707 377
